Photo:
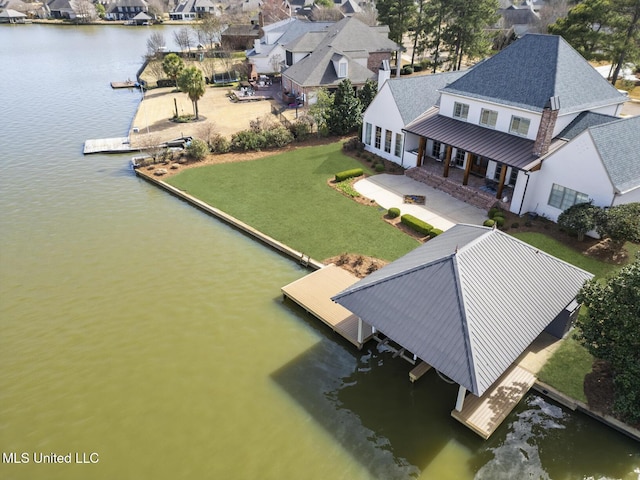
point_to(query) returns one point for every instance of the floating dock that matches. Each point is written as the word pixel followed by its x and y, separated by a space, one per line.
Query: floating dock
pixel 108 145
pixel 127 84
pixel 313 293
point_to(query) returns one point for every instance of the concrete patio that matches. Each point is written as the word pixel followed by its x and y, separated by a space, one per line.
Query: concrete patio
pixel 440 209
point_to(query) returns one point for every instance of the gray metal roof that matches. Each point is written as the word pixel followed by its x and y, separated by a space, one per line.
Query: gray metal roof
pixel 584 121
pixel 499 146
pixel 618 144
pixel 468 302
pixel 533 69
pixel 414 94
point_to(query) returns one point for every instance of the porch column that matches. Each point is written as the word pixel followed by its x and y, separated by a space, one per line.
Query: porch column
pixel 447 161
pixel 467 167
pixel 462 392
pixel 421 147
pixel 503 176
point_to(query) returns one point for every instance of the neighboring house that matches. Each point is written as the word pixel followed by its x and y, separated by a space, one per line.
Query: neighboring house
pixel 268 53
pixel 348 49
pixel 193 10
pixel 60 9
pixel 398 102
pixel 469 302
pixel 507 116
pixel 126 9
pixel 240 37
pixel 519 20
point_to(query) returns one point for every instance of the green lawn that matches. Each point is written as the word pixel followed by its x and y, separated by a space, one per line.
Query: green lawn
pixel 566 370
pixel 286 196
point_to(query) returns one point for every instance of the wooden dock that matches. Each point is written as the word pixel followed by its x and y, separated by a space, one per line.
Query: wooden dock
pixel 484 414
pixel 127 84
pixel 313 293
pixel 108 145
pixel 419 371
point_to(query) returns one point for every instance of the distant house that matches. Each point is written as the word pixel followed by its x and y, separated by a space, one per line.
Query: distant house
pixel 347 49
pixel 515 122
pixel 519 20
pixel 193 10
pixel 240 37
pixel 61 9
pixel 268 52
pixel 468 302
pixel 126 9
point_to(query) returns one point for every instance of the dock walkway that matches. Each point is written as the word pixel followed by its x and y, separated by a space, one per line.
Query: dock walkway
pixel 313 292
pixel 108 145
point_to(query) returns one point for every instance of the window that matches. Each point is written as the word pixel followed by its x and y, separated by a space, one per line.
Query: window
pixel 289 58
pixel 488 118
pixel 367 133
pixel 496 174
pixel 563 198
pixel 378 137
pixel 460 154
pixel 513 178
pixel 435 150
pixel 342 70
pixel 460 110
pixel 398 150
pixel 387 141
pixel 519 126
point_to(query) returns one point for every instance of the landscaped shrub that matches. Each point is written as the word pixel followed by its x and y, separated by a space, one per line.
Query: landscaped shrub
pixel 393 212
pixel 417 68
pixel 435 232
pixel 493 211
pixel 406 70
pixel 353 144
pixel 379 167
pixel 515 225
pixel 277 137
pixel 499 221
pixel 247 140
pixel 354 172
pixel 416 224
pixel 197 149
pixel 489 223
pixel 219 144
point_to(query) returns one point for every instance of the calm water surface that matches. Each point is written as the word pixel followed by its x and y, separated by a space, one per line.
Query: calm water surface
pixel 138 328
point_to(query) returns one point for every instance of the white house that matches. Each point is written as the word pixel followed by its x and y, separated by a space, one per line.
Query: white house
pixel 516 121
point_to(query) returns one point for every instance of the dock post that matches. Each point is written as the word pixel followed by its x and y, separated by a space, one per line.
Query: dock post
pixel 460 401
pixel 359 330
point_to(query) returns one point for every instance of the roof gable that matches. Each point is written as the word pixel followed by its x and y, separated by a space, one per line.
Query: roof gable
pixel 533 69
pixel 452 304
pixel 618 144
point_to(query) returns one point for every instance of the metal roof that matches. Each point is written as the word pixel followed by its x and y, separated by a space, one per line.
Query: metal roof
pixel 499 146
pixel 467 302
pixel 533 69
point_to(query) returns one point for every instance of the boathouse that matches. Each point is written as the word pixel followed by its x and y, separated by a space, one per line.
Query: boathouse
pixel 469 303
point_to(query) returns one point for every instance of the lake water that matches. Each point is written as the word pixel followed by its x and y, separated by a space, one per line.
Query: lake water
pixel 142 331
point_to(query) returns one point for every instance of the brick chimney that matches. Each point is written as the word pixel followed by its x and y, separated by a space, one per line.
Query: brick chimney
pixel 547 125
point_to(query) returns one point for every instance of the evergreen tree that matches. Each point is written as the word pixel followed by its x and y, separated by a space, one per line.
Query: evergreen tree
pixel 346 114
pixel 367 93
pixel 172 65
pixel 192 83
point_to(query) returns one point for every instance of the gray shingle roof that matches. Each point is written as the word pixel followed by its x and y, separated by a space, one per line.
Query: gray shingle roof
pixel 531 70
pixel 618 144
pixel 584 121
pixel 349 37
pixel 468 302
pixel 413 95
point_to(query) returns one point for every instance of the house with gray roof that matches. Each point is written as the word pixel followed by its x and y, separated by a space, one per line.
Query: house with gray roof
pixel 451 304
pixel 190 10
pixel 126 9
pixel 399 101
pixel 348 49
pixel 12 16
pixel 268 52
pixel 519 117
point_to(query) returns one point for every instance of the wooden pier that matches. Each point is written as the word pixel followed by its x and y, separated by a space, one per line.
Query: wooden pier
pixel 108 145
pixel 313 293
pixel 484 414
pixel 127 84
pixel 419 371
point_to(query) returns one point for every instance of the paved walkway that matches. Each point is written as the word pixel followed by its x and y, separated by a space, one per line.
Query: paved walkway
pixel 440 209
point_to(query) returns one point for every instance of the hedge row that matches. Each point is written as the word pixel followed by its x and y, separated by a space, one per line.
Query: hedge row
pixel 417 224
pixel 354 172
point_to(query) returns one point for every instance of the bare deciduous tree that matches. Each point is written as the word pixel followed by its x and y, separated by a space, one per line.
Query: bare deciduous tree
pixel 155 44
pixel 183 38
pixel 85 11
pixel 208 31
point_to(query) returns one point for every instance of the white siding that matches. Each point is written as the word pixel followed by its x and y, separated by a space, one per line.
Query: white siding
pixel 504 113
pixel 576 166
pixel 384 113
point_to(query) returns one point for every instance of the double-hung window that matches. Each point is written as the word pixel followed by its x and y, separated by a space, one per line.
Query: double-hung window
pixel 387 141
pixel 519 126
pixel 488 118
pixel 378 137
pixel 563 197
pixel 398 151
pixel 460 110
pixel 367 133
